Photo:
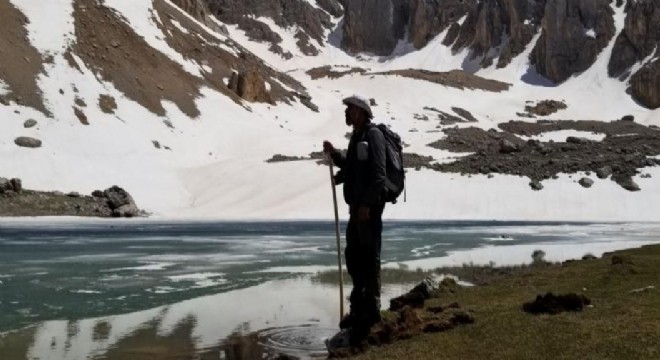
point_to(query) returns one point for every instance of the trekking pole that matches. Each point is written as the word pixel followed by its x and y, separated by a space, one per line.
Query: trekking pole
pixel 341 277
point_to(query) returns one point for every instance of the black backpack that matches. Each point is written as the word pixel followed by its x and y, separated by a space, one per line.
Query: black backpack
pixel 396 175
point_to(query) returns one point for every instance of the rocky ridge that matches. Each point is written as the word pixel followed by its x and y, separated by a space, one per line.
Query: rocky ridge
pixel 572 34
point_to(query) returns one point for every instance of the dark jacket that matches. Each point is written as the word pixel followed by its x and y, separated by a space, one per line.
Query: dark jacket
pixel 364 181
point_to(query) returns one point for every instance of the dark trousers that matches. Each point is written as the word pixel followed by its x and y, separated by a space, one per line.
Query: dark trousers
pixel 363 244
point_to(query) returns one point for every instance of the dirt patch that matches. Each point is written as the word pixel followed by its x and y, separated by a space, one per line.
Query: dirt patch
pixel 327 72
pixel 20 62
pixel 545 108
pixel 107 104
pixel 80 115
pixel 456 78
pixel 110 47
pixel 626 149
pixel 554 304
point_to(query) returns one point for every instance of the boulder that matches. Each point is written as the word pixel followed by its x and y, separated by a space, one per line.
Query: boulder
pixel 586 182
pixel 5 185
pixel 554 304
pixel 628 183
pixel 28 142
pixel 251 86
pixel 415 298
pixel 604 172
pixel 29 123
pixel 577 140
pixel 536 185
pixel 121 202
pixel 508 147
pixel 17 185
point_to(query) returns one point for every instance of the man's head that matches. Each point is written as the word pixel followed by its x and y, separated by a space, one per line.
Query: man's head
pixel 358 112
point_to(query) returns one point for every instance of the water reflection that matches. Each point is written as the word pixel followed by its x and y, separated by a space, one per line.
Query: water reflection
pixel 288 317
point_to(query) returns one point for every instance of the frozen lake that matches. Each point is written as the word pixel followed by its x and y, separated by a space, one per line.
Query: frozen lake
pixel 72 289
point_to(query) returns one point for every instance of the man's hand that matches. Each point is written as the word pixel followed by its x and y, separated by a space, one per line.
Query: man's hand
pixel 363 213
pixel 328 148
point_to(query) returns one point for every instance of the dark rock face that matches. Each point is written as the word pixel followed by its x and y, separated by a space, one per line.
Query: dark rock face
pixel 333 7
pixel 285 13
pixel 639 38
pixel 430 18
pixel 199 10
pixel 645 84
pixel 507 25
pixel 566 46
pixel 374 26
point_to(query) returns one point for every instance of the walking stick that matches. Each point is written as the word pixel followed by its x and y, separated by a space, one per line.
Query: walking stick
pixel 341 277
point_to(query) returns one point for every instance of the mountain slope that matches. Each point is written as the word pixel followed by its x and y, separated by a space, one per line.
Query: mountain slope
pixel 183 106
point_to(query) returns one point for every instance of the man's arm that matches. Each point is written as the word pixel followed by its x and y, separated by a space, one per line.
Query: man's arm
pixel 377 168
pixel 337 157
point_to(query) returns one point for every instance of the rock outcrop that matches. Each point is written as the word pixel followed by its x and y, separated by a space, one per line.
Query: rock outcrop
pixel 200 11
pixel 374 26
pixel 574 33
pixel 121 202
pixel 639 39
pixel 311 21
pixel 639 43
pixel 250 86
pixel 430 18
pixel 501 28
pixel 645 85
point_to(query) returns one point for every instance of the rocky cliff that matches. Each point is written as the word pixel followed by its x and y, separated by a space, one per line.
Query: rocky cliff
pixel 571 34
pixel 311 22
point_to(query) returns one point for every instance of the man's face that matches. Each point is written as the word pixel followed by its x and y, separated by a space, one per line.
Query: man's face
pixel 352 114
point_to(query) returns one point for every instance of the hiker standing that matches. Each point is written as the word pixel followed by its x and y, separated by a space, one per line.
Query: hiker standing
pixel 363 173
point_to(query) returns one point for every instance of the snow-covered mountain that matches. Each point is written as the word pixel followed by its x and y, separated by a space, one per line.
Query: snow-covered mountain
pixel 182 103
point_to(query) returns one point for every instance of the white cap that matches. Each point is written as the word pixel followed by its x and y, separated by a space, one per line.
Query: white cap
pixel 361 102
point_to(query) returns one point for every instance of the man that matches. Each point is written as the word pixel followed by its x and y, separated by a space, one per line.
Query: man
pixel 363 173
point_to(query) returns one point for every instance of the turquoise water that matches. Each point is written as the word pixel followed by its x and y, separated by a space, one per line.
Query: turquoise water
pixel 54 274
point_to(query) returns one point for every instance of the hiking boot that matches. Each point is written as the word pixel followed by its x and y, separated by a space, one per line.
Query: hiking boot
pixel 348 321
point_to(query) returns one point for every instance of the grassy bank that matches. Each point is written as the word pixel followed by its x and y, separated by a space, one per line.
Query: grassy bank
pixel 622 323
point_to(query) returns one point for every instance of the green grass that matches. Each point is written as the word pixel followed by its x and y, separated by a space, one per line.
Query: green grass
pixel 620 325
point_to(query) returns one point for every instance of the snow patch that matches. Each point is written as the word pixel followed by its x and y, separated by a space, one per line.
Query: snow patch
pixel 4 88
pixel 561 135
pixel 50 26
